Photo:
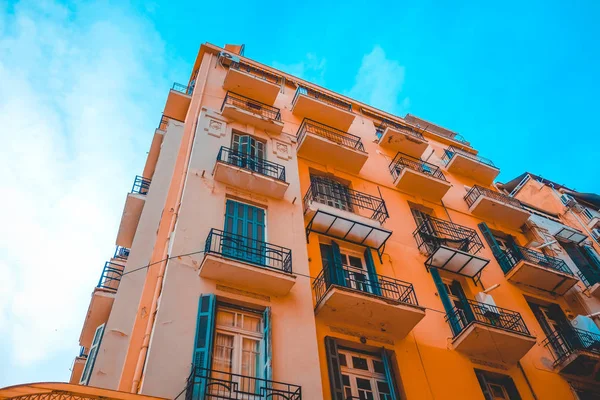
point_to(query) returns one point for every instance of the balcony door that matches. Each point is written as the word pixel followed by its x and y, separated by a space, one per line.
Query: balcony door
pixel 248 152
pixel 349 268
pixel 553 320
pixel 244 232
pixel 330 192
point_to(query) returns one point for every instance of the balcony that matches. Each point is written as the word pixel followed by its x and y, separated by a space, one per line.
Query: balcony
pixel 77 368
pixel 536 269
pixel 592 218
pixel 488 332
pixel 575 352
pixel 250 173
pixel 401 138
pixel 132 211
pixel 253 82
pixel 111 276
pixel 318 106
pixel 450 247
pixel 495 206
pixel 247 263
pixel 591 279
pixel 178 101
pixel 205 384
pixel 419 178
pixel 327 145
pixel 347 296
pixel 251 112
pixel 462 162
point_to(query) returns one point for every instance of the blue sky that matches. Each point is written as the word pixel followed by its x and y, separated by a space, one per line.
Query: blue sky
pixel 82 86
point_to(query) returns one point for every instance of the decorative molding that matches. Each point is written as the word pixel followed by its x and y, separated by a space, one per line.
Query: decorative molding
pixel 490 364
pixel 282 150
pixel 245 293
pixel 212 123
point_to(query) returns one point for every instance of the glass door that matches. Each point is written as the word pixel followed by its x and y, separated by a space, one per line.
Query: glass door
pixel 248 152
pixel 363 377
pixel 355 273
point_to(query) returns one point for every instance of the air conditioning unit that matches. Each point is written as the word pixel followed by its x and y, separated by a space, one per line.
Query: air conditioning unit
pixel 585 323
pixel 596 233
pixel 227 59
pixel 568 200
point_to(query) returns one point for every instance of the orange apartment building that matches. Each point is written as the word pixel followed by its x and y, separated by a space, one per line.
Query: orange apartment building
pixel 285 242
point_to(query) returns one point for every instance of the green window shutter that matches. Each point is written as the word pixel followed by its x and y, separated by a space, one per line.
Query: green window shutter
pixel 389 374
pixel 511 388
pixel 91 359
pixel 457 288
pixel 337 272
pixel 483 384
pixel 373 280
pixel 205 331
pixel 446 302
pixel 333 366
pixel 267 349
pixel 499 255
pixel 248 222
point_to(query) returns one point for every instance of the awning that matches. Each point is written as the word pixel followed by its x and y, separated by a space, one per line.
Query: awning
pixel 456 261
pixel 570 235
pixel 66 391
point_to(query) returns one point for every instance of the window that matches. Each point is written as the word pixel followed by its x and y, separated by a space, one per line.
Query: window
pixel 588 214
pixel 248 152
pixel 247 228
pixel 349 268
pixel 331 192
pixel 91 359
pixel 497 386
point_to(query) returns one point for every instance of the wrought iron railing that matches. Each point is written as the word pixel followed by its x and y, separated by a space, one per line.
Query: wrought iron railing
pixel 434 232
pixel 473 311
pixel 111 276
pixel 253 106
pixel 256 72
pixel 589 277
pixel 568 340
pixel 141 185
pixel 477 191
pixel 325 98
pixel 251 163
pixel 386 123
pixel 539 258
pixel 178 87
pixel 451 151
pixel 402 161
pixel 121 253
pixel 210 384
pixel 335 194
pixel 249 250
pixel 360 280
pixel 335 135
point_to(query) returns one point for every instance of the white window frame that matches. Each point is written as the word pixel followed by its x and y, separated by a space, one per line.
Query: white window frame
pixel 369 374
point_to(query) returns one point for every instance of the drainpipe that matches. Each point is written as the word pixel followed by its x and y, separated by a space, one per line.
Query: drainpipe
pixel 527 380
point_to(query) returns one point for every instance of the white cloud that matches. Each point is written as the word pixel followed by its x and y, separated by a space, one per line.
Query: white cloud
pixel 379 82
pixel 311 69
pixel 81 88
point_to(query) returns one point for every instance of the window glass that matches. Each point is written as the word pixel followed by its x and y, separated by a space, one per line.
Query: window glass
pixel 359 363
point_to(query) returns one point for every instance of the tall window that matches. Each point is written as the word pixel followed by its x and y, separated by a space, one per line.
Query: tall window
pixel 331 192
pixel 497 386
pixel 248 152
pixel 355 273
pixel 246 224
pixel 91 359
pixel 363 376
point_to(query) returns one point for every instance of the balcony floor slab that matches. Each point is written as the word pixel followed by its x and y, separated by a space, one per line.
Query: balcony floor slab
pixel 543 278
pixel 249 180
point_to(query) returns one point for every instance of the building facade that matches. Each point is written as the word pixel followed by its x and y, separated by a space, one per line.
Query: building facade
pixel 288 242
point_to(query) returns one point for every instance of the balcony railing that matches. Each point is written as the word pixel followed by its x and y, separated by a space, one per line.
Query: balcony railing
pixel 402 161
pixel 325 98
pixel 450 151
pixel 435 232
pixel 256 72
pixel 207 384
pixel 406 129
pixel 121 253
pixel 253 106
pixel 518 253
pixel 474 311
pixel 82 352
pixel 178 87
pixel 249 250
pixel 566 341
pixel 111 276
pixel 335 135
pixel 326 191
pixel 251 163
pixel 589 277
pixel 359 280
pixel 478 191
pixel 141 185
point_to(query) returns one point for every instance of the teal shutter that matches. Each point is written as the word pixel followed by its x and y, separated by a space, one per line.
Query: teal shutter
pixel 483 384
pixel 446 302
pixel 389 374
pixel 248 223
pixel 468 312
pixel 92 354
pixel 337 272
pixel 499 255
pixel 333 367
pixel 267 349
pixel 373 280
pixel 205 330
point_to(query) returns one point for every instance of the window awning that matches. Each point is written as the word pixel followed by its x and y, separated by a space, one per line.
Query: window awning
pixel 456 261
pixel 570 235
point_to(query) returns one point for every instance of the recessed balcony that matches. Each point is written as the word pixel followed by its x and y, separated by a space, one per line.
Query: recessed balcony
pixel 401 138
pixel 450 247
pixel 327 145
pixel 251 112
pixel 463 162
pixel 349 296
pixel 321 107
pixel 484 331
pixel 418 177
pixel 134 204
pixel 250 173
pixel 247 263
pixel 253 82
pixel 178 101
pixel 495 206
pixel 576 352
pixel 538 270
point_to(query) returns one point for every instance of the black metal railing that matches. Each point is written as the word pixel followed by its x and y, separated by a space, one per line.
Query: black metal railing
pixel 335 194
pixel 210 384
pixel 434 232
pixel 253 106
pixel 473 311
pixel 386 123
pixel 256 72
pixel 451 151
pixel 360 280
pixel 539 258
pixel 178 87
pixel 249 250
pixel 325 98
pixel 402 161
pixel 111 276
pixel 141 185
pixel 121 253
pixel 477 191
pixel 589 277
pixel 251 163
pixel 568 340
pixel 335 135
